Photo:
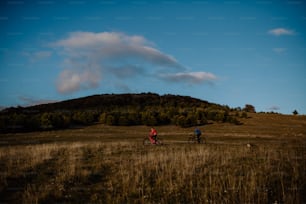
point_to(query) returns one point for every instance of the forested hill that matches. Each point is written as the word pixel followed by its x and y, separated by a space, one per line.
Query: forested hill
pixel 117 109
pixel 113 101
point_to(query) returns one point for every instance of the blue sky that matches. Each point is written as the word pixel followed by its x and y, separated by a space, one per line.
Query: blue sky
pixel 227 52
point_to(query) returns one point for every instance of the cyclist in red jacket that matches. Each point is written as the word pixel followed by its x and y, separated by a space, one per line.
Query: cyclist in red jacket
pixel 153 135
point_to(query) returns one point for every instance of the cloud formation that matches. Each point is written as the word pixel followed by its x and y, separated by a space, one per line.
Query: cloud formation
pixel 281 31
pixel 113 45
pixel 90 56
pixel 70 80
pixel 190 77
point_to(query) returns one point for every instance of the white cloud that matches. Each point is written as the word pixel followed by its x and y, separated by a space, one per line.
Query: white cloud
pixel 70 81
pixel 190 77
pixel 109 45
pixel 127 71
pixel 281 31
pixel 88 39
pixel 88 55
pixel 116 56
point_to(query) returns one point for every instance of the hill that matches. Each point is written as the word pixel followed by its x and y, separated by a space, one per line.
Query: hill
pixel 118 109
pixel 110 101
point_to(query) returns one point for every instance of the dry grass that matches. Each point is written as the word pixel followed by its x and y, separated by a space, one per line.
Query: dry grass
pixel 114 167
pixel 129 173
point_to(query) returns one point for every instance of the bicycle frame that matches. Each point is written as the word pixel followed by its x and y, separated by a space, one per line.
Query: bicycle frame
pixel 148 140
pixel 194 139
pixel 152 140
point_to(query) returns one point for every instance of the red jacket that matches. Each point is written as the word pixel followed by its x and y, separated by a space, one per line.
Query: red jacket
pixel 153 132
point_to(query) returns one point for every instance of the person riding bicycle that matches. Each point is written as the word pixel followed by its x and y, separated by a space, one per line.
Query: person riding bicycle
pixel 153 135
pixel 198 134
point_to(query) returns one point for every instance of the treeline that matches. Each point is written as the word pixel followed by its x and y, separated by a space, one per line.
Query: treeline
pixel 118 109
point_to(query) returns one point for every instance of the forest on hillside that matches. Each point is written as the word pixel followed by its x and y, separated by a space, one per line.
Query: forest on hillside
pixel 119 109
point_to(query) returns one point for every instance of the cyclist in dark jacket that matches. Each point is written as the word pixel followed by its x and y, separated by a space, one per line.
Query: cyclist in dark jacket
pixel 198 134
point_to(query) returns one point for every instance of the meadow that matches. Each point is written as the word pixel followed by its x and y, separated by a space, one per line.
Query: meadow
pixel 261 161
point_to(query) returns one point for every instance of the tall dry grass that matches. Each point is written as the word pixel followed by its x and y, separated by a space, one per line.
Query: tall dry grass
pixel 129 172
pixel 197 174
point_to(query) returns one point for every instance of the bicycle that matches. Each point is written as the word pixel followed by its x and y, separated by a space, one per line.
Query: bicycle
pixel 147 141
pixel 192 139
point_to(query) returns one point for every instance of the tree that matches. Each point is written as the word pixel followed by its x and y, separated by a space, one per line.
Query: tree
pixel 249 108
pixel 46 121
pixel 33 122
pixel 102 118
pixel 110 120
pixel 60 120
pixel 84 117
pixel 181 121
pixel 295 112
pixel 123 120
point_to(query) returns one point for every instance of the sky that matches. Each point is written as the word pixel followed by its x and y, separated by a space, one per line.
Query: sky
pixel 227 52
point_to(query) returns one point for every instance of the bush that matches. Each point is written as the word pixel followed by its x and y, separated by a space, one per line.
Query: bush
pixel 295 112
pixel 244 115
pixel 249 108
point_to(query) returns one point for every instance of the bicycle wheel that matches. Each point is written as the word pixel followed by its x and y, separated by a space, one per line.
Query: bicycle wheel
pixel 191 140
pixel 146 141
pixel 202 140
pixel 159 142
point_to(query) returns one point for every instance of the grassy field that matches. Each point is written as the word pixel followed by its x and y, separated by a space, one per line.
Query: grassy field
pixel 107 164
